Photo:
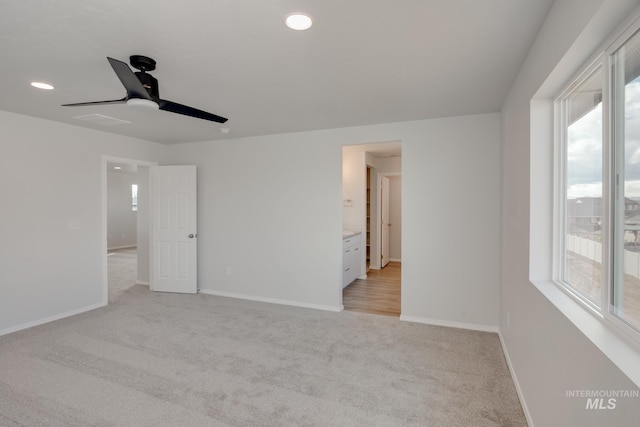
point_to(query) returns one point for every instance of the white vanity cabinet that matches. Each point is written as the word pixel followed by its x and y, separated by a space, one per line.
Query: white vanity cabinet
pixel 351 258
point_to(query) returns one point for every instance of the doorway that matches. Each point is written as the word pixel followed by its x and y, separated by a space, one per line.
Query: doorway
pixel 372 206
pixel 126 235
pixel 389 226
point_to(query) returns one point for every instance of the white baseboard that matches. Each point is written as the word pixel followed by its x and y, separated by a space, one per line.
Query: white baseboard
pixel 395 260
pixel 449 324
pixel 49 319
pixel 527 415
pixel 273 300
pixel 140 282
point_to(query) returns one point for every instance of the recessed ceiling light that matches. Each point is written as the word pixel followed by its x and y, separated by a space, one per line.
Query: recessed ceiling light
pixel 225 130
pixel 41 85
pixel 298 21
pixel 117 167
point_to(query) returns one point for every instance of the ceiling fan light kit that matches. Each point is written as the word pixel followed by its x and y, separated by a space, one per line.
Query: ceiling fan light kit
pixel 143 93
pixel 142 104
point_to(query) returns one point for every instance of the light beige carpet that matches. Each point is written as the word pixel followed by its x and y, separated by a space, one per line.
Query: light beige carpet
pixel 155 359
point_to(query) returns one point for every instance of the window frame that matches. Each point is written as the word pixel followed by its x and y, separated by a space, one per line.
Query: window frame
pixel 560 185
pixel 612 262
pixel 617 170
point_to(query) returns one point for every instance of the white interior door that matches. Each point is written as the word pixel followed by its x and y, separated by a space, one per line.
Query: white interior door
pixel 384 220
pixel 174 231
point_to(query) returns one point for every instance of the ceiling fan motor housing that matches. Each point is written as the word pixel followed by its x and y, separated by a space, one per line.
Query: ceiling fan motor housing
pixel 142 63
pixel 149 82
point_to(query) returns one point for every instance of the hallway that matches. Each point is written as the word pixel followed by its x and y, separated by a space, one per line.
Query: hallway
pixel 378 294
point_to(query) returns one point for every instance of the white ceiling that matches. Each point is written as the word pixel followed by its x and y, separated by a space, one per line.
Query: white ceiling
pixel 363 62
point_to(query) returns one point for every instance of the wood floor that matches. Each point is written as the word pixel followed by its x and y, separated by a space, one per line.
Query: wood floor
pixel 378 294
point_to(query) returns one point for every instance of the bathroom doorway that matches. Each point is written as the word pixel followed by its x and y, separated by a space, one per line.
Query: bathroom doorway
pixel 372 206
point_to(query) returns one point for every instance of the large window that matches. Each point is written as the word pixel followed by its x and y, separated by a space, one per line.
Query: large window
pixel 582 200
pixel 598 204
pixel 625 295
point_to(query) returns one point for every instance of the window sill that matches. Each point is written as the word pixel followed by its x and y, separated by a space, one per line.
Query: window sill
pixel 604 335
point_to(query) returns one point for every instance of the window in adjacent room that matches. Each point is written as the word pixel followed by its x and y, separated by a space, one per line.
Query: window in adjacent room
pixel 134 197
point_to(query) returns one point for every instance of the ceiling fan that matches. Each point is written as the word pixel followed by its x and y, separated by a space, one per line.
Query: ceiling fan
pixel 142 90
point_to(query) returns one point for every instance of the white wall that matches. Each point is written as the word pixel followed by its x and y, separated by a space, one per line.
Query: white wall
pixel 354 197
pixel 549 355
pixel 121 220
pixel 143 226
pixel 374 218
pixel 354 184
pixel 388 164
pixel 270 213
pixel 52 251
pixel 453 163
pixel 269 217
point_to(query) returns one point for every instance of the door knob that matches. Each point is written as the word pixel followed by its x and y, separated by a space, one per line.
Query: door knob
pixel 191 236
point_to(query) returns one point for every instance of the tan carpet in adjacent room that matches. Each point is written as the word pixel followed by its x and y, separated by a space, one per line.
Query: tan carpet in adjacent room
pixel 122 271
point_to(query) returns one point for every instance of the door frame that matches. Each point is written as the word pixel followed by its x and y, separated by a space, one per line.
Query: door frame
pixel 105 161
pixel 378 248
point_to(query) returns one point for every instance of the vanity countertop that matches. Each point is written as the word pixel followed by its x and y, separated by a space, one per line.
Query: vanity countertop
pixel 349 233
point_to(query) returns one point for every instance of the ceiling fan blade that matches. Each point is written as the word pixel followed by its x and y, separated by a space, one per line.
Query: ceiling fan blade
pixel 174 107
pixel 129 80
pixel 80 104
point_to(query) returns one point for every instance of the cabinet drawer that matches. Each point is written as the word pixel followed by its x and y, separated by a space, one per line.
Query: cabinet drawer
pixel 351 241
